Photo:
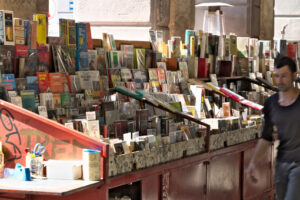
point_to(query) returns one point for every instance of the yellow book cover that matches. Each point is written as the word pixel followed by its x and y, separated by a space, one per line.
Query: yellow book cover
pixel 41 28
pixel 71 33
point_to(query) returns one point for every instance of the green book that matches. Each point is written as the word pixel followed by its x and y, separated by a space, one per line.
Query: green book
pixel 65 100
pixel 28 100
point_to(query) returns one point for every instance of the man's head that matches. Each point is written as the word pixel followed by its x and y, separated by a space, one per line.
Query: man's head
pixel 285 73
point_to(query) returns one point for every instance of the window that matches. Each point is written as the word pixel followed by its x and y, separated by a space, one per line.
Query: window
pixel 126 20
pixel 287 13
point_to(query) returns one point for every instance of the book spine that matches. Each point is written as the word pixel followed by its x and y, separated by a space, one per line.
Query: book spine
pixel 89 36
pixel 19 31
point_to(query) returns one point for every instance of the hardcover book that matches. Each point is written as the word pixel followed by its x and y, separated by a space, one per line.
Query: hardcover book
pixel 32 84
pixel 28 100
pixel 41 20
pixel 81 36
pixel 9 81
pixel 56 82
pixel 43 81
pixel 9 34
pixel 19 31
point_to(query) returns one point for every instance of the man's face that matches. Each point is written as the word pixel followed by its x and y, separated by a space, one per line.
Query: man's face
pixel 284 78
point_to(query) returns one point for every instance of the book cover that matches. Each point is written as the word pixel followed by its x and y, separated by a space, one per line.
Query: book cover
pixel 43 81
pixel 184 70
pixel 28 100
pixel 114 77
pixel 152 74
pixel 9 81
pixel 89 36
pixel 42 110
pixel 9 34
pixel 105 42
pixel 65 100
pixel 161 75
pixel 104 81
pixel 46 99
pixel 225 68
pixel 233 44
pixel 74 83
pixel 32 84
pixel 115 58
pixel 19 31
pixel 126 74
pixel 101 61
pixel 140 59
pixel 56 82
pixel 243 46
pixel 43 58
pixel 2 32
pixel 82 60
pixel 7 54
pixel 92 59
pixel 17 100
pixel 81 36
pixel 32 35
pixel 31 63
pixel 20 51
pixel 148 58
pixel 203 68
pixel 63 29
pixel 171 64
pixel 41 29
pixel 155 87
pixel 56 100
pixel 94 129
pixel 71 39
pixel 21 84
pixel 162 65
pixel 128 55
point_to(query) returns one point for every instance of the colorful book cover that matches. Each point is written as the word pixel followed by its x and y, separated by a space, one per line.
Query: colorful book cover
pixel 127 55
pixel 62 28
pixel 152 74
pixel 184 70
pixel 101 61
pixel 114 77
pixel 56 82
pixel 7 54
pixel 81 36
pixel 32 84
pixel 114 59
pixel 233 44
pixel 71 26
pixel 43 81
pixel 161 75
pixel 65 100
pixel 31 64
pixel 2 32
pixel 155 87
pixel 56 100
pixel 82 60
pixel 126 74
pixel 26 31
pixel 92 59
pixel 19 31
pixel 9 28
pixel 89 36
pixel 41 20
pixel 9 81
pixel 43 58
pixel 28 100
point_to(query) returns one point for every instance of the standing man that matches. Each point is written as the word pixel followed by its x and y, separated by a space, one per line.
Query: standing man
pixel 282 110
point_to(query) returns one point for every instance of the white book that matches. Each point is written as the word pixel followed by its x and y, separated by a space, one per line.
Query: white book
pixel 93 129
pixel 43 111
pixel 16 100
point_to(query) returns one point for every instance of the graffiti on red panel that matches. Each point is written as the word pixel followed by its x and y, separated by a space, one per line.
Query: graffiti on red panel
pixel 12 134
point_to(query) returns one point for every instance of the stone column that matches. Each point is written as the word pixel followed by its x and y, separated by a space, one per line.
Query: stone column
pixel 182 17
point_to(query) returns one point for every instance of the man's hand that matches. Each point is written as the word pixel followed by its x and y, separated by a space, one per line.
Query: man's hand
pixel 250 172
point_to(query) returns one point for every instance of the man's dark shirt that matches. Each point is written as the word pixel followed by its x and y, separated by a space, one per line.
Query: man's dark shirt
pixel 287 121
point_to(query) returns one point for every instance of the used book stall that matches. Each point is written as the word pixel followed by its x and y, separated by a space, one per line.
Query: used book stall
pixel 143 120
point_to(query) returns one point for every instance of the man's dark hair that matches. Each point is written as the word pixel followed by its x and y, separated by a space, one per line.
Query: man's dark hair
pixel 285 60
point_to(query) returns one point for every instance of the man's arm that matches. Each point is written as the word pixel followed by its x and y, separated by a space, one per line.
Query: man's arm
pixel 260 149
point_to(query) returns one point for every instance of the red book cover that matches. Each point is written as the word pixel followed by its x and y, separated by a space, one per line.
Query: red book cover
pixel 203 69
pixel 70 83
pixel 89 36
pixel 292 50
pixel 43 81
pixel 20 51
pixel 43 58
pixel 56 82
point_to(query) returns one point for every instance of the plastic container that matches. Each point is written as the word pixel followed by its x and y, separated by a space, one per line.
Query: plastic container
pixel 64 169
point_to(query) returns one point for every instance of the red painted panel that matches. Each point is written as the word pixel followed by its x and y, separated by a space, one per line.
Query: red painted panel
pixel 263 173
pixel 150 187
pixel 187 182
pixel 20 128
pixel 223 177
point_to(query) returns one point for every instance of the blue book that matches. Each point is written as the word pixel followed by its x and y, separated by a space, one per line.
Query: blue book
pixel 81 36
pixel 32 83
pixel 1 28
pixel 26 30
pixel 82 60
pixel 28 100
pixel 9 81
